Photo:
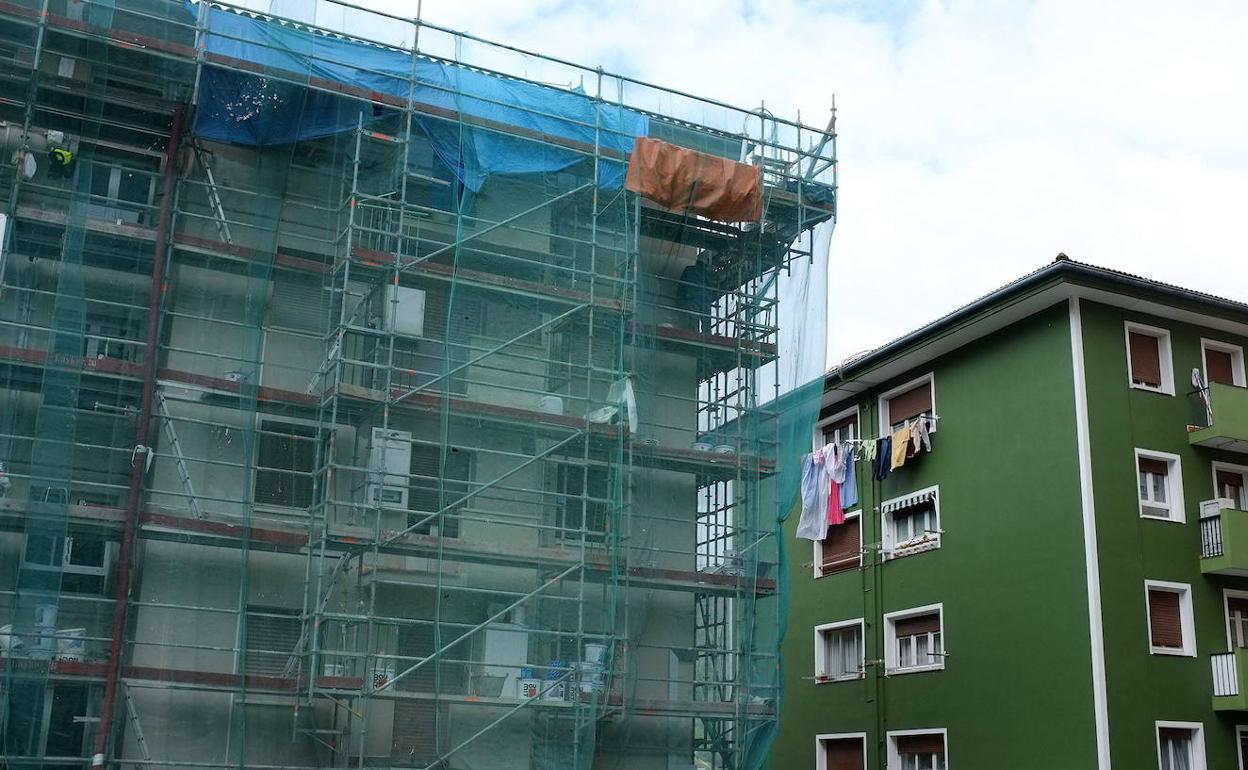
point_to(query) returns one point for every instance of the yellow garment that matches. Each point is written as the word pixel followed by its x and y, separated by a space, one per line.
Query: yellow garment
pixel 901 445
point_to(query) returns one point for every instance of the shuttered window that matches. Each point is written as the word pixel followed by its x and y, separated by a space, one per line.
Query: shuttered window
pixel 439 479
pixel 842 549
pixel 1145 359
pixel 921 752
pixel 1165 619
pixel 910 404
pixel 841 430
pixel 1219 366
pixel 1237 619
pixel 917 641
pixel 1154 486
pixel 1231 485
pixel 843 753
pixel 272 638
pixel 1176 748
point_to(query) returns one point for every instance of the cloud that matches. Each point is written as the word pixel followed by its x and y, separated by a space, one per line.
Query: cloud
pixel 977 139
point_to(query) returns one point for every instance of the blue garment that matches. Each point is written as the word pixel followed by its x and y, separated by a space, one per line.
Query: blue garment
pixel 813 523
pixel 883 457
pixel 849 490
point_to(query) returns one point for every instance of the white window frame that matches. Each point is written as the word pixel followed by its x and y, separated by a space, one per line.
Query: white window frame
pixel 882 403
pixel 853 411
pixel 890 641
pixel 929 541
pixel 1198 741
pixel 1237 359
pixel 821 677
pixel 1227 595
pixel 1242 470
pixel 1240 732
pixel 1174 484
pixel 821 759
pixel 1163 354
pixel 818 547
pixel 894 756
pixel 1187 620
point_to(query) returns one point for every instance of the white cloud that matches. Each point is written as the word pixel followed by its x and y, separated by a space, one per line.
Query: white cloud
pixel 977 139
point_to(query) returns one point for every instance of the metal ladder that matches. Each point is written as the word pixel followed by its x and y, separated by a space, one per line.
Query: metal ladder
pixel 179 459
pixel 214 198
pixel 133 713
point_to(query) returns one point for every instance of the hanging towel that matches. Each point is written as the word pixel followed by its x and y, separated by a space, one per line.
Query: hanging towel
pixel 868 450
pixel 901 443
pixel 920 436
pixel 883 457
pixel 813 523
pixel 849 490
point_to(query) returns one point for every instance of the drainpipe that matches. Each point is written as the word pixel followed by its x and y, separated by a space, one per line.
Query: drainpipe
pixel 138 460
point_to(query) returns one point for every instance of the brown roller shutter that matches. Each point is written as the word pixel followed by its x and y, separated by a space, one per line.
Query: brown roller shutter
pixel 928 743
pixel 912 403
pixel 1145 359
pixel 920 624
pixel 1235 604
pixel 1174 734
pixel 842 549
pixel 843 754
pixel 1230 479
pixel 1165 619
pixel 1149 465
pixel 1218 367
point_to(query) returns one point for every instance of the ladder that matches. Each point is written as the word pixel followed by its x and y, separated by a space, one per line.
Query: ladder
pixel 179 459
pixel 133 713
pixel 214 197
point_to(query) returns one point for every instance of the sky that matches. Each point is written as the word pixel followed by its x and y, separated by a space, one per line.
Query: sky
pixel 977 140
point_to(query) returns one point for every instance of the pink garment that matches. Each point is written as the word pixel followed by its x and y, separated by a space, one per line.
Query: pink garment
pixel 836 514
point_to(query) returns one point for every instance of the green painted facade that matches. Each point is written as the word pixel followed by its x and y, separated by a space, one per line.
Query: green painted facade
pixel 1011 569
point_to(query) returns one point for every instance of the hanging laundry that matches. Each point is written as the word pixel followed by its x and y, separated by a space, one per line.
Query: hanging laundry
pixel 813 523
pixel 883 457
pixel 901 443
pixel 849 489
pixel 836 512
pixel 920 436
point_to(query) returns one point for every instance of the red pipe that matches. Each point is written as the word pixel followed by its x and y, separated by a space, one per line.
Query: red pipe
pixel 138 460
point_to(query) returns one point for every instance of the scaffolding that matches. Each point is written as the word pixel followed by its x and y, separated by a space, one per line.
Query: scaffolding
pixel 359 413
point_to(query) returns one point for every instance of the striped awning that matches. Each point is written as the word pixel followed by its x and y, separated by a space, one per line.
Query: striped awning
pixel 909 501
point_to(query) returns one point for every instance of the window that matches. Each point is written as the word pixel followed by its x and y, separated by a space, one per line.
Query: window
pixel 914 640
pixel 1228 482
pixel 842 427
pixel 273 636
pixel 838 651
pixel 1236 603
pixel 1171 629
pixel 77 564
pixel 1160 484
pixel 1223 363
pixel 582 505
pixel 1180 746
pixel 906 403
pixel 841 550
pixel 911 523
pixel 285 459
pixel 916 750
pixel 439 479
pixel 1148 358
pixel 845 751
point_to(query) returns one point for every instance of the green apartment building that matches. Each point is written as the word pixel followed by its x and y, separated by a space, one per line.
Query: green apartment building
pixel 1062 581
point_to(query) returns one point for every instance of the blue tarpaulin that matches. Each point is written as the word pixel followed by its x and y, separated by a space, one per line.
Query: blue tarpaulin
pixel 478 124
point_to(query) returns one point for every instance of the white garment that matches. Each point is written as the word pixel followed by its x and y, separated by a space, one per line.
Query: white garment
pixel 920 436
pixel 835 460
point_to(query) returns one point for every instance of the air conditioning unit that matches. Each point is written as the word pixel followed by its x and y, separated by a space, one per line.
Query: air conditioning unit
pixel 389 465
pixel 404 311
pixel 1211 508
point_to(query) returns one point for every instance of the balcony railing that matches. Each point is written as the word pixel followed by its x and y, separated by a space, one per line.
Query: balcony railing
pixel 1224 424
pixel 1211 544
pixel 1225 675
pixel 1223 539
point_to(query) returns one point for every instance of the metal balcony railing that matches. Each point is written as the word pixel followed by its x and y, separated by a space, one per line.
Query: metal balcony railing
pixel 1211 543
pixel 1225 674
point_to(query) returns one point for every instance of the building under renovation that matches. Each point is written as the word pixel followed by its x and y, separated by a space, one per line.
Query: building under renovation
pixel 372 395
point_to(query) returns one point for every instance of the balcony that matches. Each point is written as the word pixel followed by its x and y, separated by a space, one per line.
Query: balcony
pixel 1230 691
pixel 1223 540
pixel 1229 427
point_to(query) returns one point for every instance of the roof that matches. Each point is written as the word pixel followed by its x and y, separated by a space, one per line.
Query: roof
pixel 1061 271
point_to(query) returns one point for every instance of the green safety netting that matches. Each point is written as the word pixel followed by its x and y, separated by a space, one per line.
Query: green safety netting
pixel 358 413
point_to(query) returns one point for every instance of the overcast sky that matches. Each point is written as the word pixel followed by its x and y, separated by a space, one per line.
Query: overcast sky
pixel 977 139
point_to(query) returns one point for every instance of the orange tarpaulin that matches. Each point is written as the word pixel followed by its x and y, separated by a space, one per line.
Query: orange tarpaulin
pixel 688 181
